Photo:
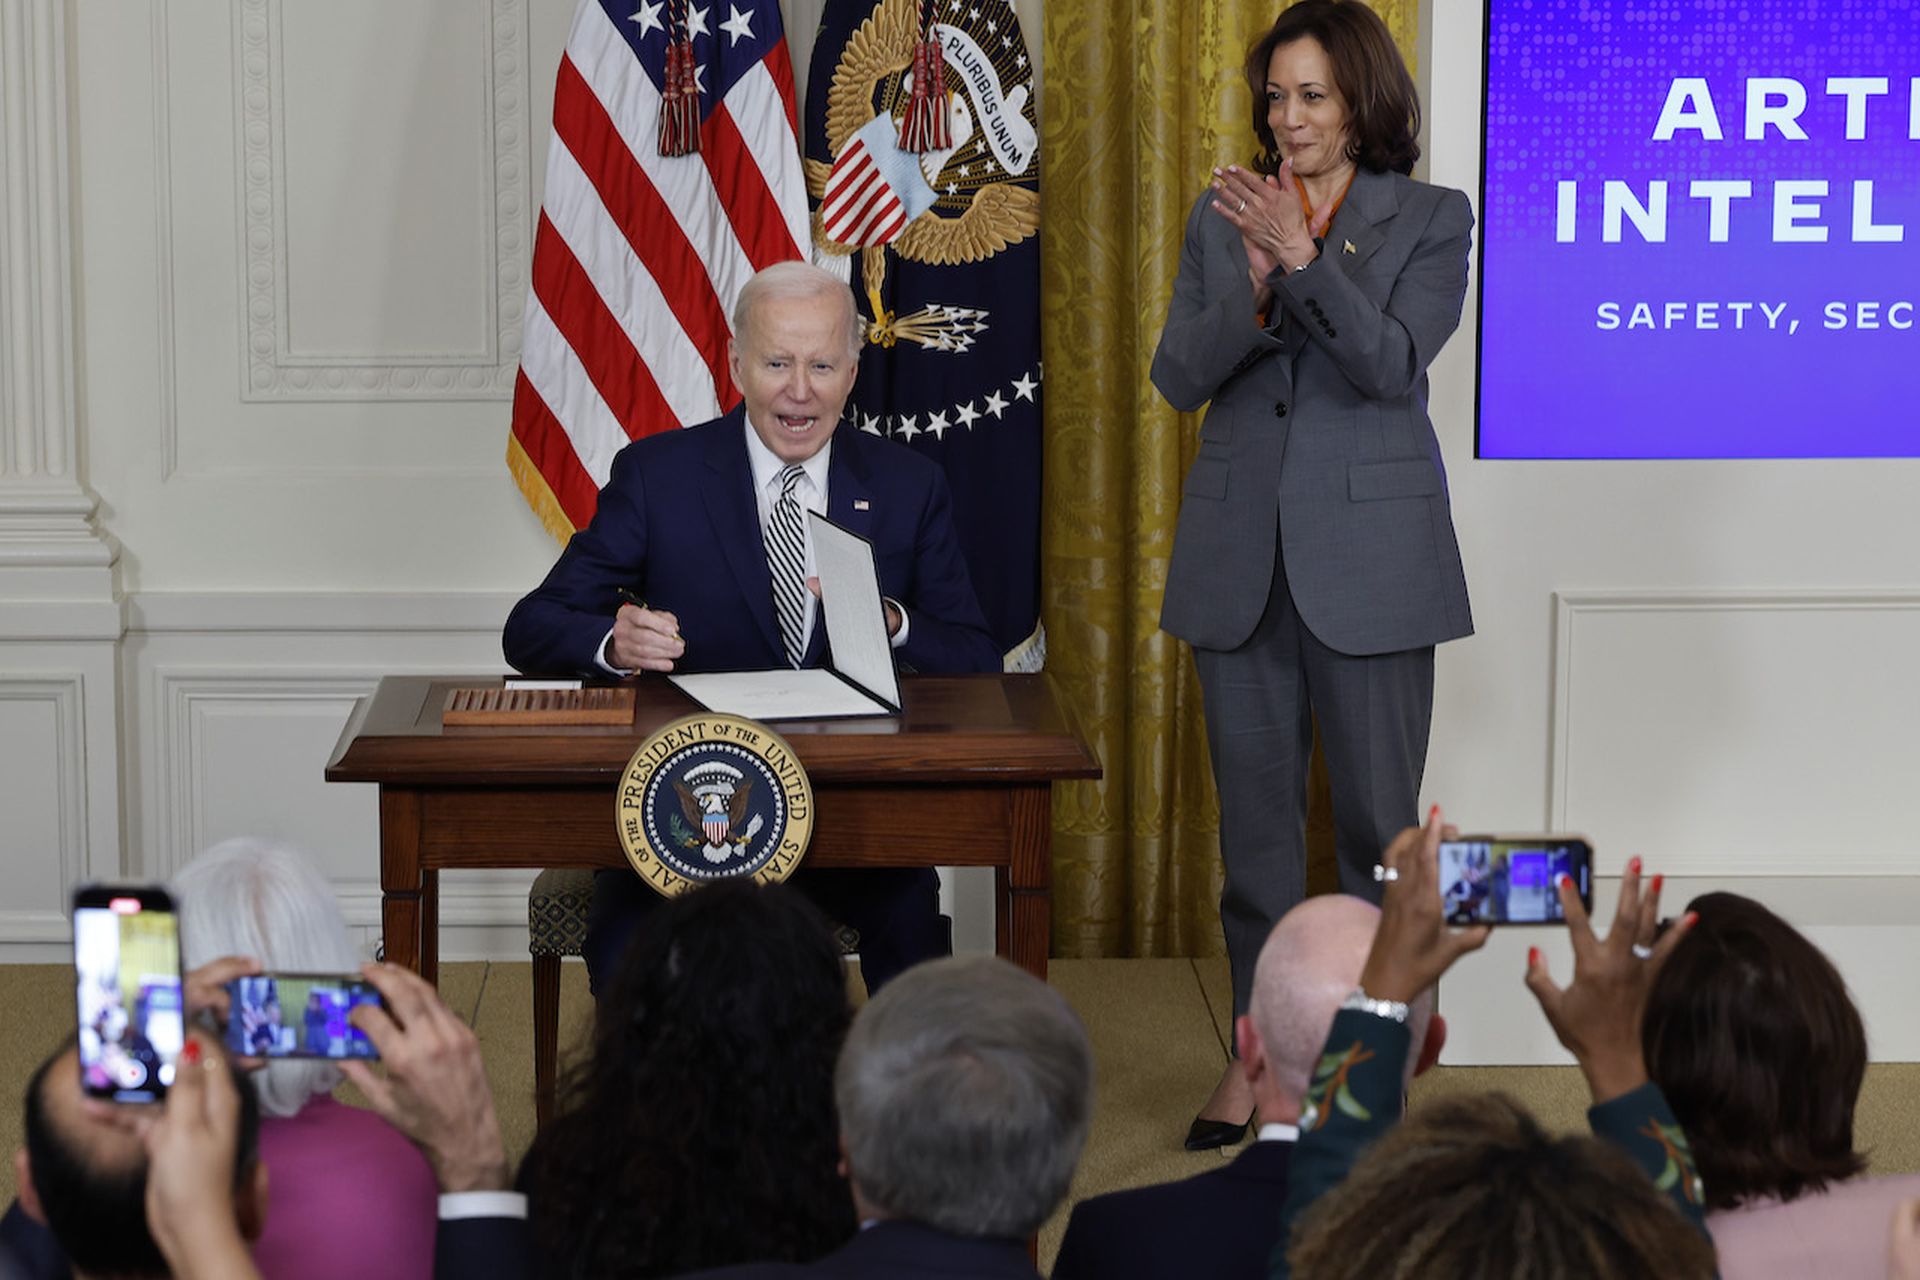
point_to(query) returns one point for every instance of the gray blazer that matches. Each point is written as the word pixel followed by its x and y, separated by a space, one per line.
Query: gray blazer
pixel 1317 442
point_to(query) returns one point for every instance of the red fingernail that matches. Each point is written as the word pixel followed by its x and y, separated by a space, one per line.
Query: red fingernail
pixel 1533 957
pixel 1633 865
pixel 1657 882
pixel 1433 813
pixel 191 1053
pixel 1693 918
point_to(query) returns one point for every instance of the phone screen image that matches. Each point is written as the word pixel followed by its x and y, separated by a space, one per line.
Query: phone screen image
pixel 298 1015
pixel 1489 881
pixel 126 959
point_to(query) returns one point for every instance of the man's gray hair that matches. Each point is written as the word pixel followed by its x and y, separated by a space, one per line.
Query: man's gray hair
pixel 797 279
pixel 965 1090
pixel 250 897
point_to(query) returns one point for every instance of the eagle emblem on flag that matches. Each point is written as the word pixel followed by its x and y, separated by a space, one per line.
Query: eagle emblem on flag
pixel 962 203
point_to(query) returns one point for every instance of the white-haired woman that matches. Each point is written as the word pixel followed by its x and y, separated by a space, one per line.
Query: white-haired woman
pixel 350 1195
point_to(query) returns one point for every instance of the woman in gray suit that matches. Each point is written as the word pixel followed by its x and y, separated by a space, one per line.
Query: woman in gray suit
pixel 1314 565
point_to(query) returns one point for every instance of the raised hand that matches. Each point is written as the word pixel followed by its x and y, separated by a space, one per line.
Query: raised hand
pixel 1597 1015
pixel 191 1149
pixel 435 1090
pixel 1413 945
pixel 206 992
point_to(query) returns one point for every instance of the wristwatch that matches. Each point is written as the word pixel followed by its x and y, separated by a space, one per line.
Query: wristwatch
pixel 1391 1010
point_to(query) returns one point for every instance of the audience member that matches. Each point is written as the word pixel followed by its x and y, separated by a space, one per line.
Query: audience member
pixel 1354 1215
pixel 1496 1196
pixel 1753 1038
pixel 332 1164
pixel 699 1131
pixel 84 1171
pixel 1226 1221
pixel 965 1091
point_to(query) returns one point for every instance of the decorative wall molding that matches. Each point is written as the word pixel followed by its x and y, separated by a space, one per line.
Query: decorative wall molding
pixel 273 369
pixel 183 699
pixel 1755 691
pixel 317 612
pixel 49 548
pixel 65 691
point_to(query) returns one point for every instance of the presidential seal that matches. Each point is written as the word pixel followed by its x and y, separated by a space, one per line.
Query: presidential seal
pixel 711 797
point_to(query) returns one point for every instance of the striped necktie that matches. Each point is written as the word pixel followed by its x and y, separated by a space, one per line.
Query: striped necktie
pixel 787 563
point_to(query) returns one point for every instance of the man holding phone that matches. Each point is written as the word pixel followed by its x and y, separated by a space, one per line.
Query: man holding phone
pixel 84 1169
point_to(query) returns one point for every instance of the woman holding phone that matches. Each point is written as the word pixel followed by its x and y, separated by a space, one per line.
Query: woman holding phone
pixel 1314 565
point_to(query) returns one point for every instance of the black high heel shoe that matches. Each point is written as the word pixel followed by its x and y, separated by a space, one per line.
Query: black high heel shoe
pixel 1206 1135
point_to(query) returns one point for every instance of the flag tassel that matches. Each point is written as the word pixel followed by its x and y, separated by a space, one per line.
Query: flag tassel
pixel 926 126
pixel 680 103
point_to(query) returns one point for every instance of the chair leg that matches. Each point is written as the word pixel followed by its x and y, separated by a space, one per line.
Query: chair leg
pixel 546 1034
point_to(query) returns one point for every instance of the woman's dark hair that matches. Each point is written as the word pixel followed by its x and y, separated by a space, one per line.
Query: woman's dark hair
pixel 1472 1186
pixel 1750 1033
pixel 1383 107
pixel 701 1130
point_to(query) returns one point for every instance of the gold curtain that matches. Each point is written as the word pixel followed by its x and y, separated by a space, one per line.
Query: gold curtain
pixel 1142 100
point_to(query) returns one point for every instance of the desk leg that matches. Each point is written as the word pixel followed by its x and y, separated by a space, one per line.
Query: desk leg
pixel 1025 914
pixel 409 894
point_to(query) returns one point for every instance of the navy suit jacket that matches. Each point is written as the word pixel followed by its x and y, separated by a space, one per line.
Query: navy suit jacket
pixel 894 1250
pixel 677 524
pixel 1222 1223
pixel 28 1250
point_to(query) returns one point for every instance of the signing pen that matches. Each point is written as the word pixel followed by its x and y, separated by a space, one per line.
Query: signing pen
pixel 628 594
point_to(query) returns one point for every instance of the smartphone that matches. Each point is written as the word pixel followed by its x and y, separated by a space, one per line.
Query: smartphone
pixel 1510 879
pixel 126 974
pixel 298 1015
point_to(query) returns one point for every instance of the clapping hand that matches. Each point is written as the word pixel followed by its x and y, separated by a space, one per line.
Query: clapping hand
pixel 1597 1015
pixel 1272 221
pixel 1413 945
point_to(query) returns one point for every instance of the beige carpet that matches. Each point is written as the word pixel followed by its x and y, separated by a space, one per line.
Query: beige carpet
pixel 1159 1030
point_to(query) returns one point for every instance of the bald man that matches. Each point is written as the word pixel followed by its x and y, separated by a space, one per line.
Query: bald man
pixel 84 1175
pixel 1226 1221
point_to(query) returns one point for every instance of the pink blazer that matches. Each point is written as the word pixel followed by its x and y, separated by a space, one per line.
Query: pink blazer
pixel 1838 1234
pixel 347 1195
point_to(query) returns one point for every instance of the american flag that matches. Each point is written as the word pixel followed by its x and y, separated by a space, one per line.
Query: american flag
pixel 639 257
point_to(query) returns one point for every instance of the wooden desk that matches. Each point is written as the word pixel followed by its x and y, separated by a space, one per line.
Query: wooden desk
pixel 962 778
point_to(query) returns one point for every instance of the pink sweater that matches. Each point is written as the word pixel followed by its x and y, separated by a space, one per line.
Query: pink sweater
pixel 1835 1235
pixel 347 1195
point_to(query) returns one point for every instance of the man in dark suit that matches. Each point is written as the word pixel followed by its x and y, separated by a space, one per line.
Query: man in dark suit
pixel 697 560
pixel 1225 1222
pixel 965 1090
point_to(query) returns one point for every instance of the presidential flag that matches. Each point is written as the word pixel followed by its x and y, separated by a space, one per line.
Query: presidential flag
pixel 938 237
pixel 673 175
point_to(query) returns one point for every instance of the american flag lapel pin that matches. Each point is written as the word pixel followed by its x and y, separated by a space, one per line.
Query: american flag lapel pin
pixel 861 504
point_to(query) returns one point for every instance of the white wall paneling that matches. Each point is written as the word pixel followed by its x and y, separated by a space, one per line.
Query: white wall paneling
pixel 236 702
pixel 43 794
pixel 1721 732
pixel 436 129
